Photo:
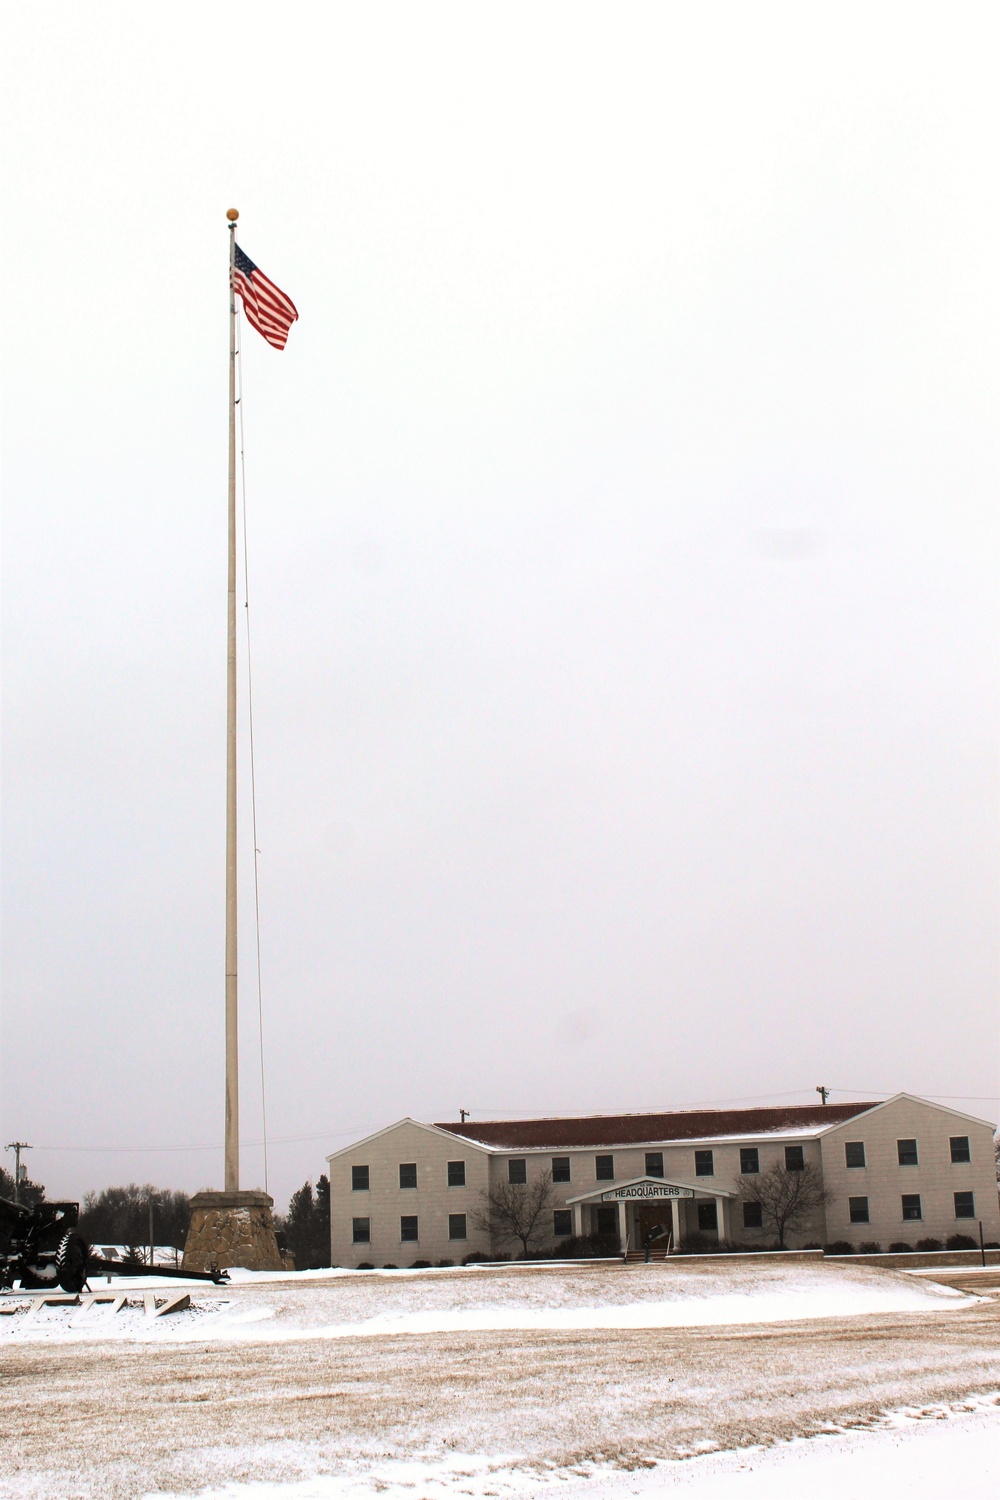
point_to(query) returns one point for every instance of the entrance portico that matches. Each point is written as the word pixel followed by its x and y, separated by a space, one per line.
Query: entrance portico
pixel 653 1208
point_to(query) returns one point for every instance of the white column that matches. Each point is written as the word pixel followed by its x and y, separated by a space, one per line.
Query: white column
pixel 620 1209
pixel 675 1221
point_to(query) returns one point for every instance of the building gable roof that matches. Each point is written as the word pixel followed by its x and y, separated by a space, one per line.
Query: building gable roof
pixel 637 1130
pixel 355 1146
pixel 944 1109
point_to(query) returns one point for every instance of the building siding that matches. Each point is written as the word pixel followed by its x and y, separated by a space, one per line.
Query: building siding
pixel 385 1202
pixel 936 1178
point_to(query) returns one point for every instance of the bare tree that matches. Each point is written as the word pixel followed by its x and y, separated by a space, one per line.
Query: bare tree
pixel 515 1211
pixel 788 1199
pixel 27 1192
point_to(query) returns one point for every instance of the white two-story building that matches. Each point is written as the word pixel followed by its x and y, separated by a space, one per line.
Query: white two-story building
pixel 895 1172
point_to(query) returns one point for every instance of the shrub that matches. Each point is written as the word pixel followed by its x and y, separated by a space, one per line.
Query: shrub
pixel 389 1266
pixel 869 1247
pixel 813 1245
pixel 838 1247
pixel 697 1244
pixel 899 1247
pixel 581 1247
pixel 703 1244
pixel 930 1244
pixel 961 1242
pixel 365 1265
pixel 444 1262
pixel 480 1258
pixel 420 1265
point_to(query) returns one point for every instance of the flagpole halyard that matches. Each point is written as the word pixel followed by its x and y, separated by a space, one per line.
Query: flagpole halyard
pixel 232 1150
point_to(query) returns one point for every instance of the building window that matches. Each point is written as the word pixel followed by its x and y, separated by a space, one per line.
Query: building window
pixel 704 1164
pixel 654 1163
pixel 795 1160
pixel 859 1210
pixel 362 1231
pixel 753 1216
pixel 408 1228
pixel 407 1174
pixel 456 1227
pixel 960 1148
pixel 749 1161
pixel 907 1153
pixel 708 1219
pixel 456 1174
pixel 359 1179
pixel 607 1220
pixel 965 1206
pixel 911 1206
pixel 517 1170
pixel 562 1223
pixel 560 1169
pixel 604 1168
pixel 854 1153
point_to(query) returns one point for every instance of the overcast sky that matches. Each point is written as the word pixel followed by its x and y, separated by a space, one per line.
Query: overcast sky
pixel 623 546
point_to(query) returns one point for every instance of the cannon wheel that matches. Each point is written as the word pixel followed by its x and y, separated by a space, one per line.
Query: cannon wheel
pixel 71 1262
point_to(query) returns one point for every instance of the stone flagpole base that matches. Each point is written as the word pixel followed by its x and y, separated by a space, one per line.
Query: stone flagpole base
pixel 232 1229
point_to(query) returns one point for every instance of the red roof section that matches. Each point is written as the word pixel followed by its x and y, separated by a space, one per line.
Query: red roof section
pixel 627 1130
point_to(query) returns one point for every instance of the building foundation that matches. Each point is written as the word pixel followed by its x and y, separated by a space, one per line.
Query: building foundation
pixel 232 1229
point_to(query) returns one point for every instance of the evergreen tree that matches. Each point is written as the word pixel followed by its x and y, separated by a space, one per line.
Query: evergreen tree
pixel 323 1220
pixel 308 1225
pixel 299 1226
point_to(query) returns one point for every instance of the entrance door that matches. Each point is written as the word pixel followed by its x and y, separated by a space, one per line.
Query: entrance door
pixel 652 1220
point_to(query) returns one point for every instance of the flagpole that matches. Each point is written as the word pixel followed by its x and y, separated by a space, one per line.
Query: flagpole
pixel 232 1014
pixel 235 1228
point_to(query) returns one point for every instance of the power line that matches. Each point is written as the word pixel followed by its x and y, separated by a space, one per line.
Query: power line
pixel 287 1140
pixel 523 1114
pixel 534 1114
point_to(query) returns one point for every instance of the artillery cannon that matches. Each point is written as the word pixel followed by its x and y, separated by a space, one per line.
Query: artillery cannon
pixel 41 1248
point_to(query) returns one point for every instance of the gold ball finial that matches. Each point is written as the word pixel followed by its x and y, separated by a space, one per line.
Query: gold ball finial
pixel 232 214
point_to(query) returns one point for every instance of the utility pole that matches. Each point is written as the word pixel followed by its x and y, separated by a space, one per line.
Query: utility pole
pixel 822 1092
pixel 465 1113
pixel 17 1147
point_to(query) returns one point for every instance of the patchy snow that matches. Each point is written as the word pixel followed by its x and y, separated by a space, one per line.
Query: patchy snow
pixel 954 1270
pixel 937 1449
pixel 691 1312
pixel 495 1299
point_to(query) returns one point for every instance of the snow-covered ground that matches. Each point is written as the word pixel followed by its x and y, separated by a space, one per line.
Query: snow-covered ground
pixel 505 1382
pixel 937 1450
pixel 261 1307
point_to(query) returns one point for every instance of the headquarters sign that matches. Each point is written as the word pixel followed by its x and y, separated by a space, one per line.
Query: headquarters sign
pixel 645 1190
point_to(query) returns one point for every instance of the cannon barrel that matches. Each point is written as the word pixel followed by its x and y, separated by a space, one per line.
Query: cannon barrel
pixel 98 1266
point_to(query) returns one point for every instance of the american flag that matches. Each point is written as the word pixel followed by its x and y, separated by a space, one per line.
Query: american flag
pixel 267 309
